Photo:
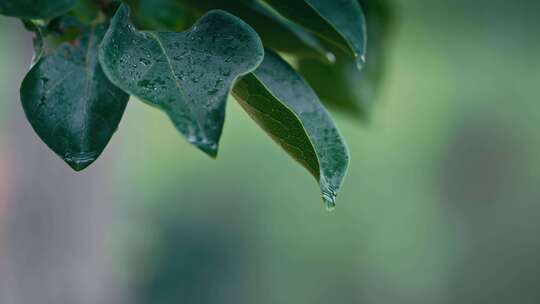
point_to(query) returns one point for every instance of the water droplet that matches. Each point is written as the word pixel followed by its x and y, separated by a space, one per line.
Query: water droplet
pixel 331 57
pixel 360 61
pixel 329 199
pixel 330 206
pixel 144 61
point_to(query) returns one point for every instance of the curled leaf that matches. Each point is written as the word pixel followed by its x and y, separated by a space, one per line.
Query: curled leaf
pixel 188 75
pixel 284 105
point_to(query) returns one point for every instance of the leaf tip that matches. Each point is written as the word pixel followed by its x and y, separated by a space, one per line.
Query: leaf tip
pixel 78 166
pixel 80 161
pixel 210 149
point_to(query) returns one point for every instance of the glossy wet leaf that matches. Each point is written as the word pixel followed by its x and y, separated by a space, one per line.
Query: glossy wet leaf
pixel 188 75
pixel 342 86
pixel 340 22
pixel 70 103
pixel 35 9
pixel 276 32
pixel 284 105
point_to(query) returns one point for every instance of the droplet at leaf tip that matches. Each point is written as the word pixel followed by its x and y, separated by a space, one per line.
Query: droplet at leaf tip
pixel 80 161
pixel 330 206
pixel 275 92
pixel 329 199
pixel 71 105
pixel 360 62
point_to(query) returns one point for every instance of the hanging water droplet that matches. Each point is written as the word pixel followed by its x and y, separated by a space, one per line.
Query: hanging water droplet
pixel 360 61
pixel 330 205
pixel 329 199
pixel 330 57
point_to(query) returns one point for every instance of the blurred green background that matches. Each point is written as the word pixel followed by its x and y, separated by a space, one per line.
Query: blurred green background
pixel 440 204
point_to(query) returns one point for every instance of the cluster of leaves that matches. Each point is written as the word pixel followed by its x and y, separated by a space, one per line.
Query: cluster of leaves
pixel 186 57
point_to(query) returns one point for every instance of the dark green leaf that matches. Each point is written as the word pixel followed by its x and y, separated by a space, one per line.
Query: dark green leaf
pixel 159 14
pixel 35 9
pixel 188 75
pixel 341 85
pixel 70 103
pixel 284 105
pixel 344 87
pixel 340 22
pixel 276 32
pixel 86 10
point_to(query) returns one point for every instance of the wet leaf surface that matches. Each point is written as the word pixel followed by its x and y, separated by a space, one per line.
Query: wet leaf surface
pixel 188 75
pixel 284 105
pixel 340 22
pixel 35 9
pixel 277 33
pixel 70 103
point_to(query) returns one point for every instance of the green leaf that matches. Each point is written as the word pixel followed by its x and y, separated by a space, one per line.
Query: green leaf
pixel 188 75
pixel 276 32
pixel 159 14
pixel 284 105
pixel 342 86
pixel 70 103
pixel 35 9
pixel 340 22
pixel 86 10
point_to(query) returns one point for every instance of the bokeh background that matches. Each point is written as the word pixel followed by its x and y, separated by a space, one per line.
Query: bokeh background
pixel 441 203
